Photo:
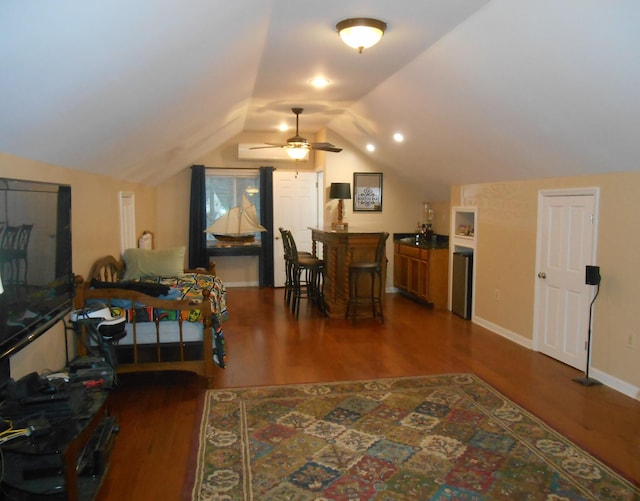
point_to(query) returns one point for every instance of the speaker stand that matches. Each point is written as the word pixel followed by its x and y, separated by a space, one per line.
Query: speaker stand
pixel 586 380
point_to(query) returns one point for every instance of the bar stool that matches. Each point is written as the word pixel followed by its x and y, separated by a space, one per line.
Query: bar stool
pixel 20 252
pixel 289 265
pixel 374 270
pixel 307 276
pixel 8 244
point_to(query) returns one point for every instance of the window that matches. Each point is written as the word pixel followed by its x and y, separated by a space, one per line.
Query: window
pixel 225 189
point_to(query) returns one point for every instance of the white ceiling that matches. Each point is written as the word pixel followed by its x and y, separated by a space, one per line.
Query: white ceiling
pixel 483 90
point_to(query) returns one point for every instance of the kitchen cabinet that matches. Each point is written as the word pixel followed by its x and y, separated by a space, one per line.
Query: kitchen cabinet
pixel 422 272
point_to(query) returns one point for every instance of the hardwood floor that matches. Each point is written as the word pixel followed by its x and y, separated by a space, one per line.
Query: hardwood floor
pixel 266 346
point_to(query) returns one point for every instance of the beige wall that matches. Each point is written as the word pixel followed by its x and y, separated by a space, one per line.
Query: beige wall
pixel 402 201
pixel 505 259
pixel 505 256
pixel 173 212
pixel 95 233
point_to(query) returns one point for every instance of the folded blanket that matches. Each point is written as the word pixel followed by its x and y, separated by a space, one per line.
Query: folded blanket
pixel 148 288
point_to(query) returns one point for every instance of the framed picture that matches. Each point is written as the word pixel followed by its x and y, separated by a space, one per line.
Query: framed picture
pixel 367 188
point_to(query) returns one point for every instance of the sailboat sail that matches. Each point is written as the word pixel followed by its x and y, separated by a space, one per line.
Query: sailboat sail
pixel 240 221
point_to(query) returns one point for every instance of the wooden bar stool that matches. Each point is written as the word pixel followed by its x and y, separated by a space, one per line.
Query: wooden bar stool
pixel 306 274
pixel 374 269
pixel 289 265
pixel 20 252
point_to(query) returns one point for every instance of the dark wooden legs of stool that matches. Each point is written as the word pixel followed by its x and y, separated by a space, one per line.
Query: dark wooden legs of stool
pixel 308 282
pixel 373 268
pixel 304 276
pixel 375 293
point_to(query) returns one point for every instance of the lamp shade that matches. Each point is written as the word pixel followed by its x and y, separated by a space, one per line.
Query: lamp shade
pixel 341 191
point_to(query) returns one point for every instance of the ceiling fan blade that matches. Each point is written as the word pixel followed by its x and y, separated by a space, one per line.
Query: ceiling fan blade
pixel 325 147
pixel 298 142
pixel 271 145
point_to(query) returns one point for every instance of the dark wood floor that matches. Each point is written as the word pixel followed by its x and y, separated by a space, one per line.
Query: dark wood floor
pixel 266 346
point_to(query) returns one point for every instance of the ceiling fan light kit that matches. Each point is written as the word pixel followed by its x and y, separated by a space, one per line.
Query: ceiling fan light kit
pixel 298 151
pixel 297 146
pixel 362 32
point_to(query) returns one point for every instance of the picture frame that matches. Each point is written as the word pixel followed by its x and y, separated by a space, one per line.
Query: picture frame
pixel 367 191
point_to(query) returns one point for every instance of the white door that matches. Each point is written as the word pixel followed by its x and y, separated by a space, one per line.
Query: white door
pixel 295 207
pixel 566 245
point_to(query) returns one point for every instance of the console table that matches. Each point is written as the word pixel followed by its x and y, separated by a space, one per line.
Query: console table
pixel 68 461
pixel 339 249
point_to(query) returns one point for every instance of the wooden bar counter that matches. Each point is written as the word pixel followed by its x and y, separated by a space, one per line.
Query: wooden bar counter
pixel 339 249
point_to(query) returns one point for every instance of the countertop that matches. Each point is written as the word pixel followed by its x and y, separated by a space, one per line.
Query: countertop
pixel 350 230
pixel 436 242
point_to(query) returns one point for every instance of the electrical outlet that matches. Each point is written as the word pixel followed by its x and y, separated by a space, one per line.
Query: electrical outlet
pixel 632 340
pixel 498 295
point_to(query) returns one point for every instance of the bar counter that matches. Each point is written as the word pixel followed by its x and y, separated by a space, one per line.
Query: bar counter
pixel 339 249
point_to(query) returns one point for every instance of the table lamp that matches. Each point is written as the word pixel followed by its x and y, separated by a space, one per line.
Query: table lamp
pixel 340 191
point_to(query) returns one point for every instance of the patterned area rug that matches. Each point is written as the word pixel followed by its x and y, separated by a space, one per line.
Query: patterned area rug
pixel 448 437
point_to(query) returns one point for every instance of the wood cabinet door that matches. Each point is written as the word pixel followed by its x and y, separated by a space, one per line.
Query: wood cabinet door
pixel 423 281
pixel 401 271
pixel 438 288
pixel 414 276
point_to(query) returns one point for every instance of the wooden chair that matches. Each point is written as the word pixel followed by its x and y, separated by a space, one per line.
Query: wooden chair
pixel 20 252
pixel 289 265
pixel 106 269
pixel 7 254
pixel 374 270
pixel 305 275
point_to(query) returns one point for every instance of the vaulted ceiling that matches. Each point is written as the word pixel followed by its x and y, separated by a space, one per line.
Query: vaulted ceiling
pixel 483 90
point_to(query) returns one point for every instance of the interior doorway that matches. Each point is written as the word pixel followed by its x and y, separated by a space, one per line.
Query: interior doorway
pixel 567 229
pixel 296 207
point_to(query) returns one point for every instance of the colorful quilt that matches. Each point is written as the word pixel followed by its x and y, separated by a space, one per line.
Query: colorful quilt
pixel 188 286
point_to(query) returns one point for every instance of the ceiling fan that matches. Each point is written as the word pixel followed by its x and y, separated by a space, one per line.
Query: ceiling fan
pixel 297 146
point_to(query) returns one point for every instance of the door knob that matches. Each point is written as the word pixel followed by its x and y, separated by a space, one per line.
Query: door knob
pixel 542 274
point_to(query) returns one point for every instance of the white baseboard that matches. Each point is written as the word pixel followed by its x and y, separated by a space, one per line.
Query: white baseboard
pixel 511 336
pixel 606 379
pixel 615 383
pixel 241 284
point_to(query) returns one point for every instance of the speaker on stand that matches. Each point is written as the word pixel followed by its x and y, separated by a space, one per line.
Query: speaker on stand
pixel 592 277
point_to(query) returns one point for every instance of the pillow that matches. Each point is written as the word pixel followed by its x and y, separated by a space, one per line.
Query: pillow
pixel 141 263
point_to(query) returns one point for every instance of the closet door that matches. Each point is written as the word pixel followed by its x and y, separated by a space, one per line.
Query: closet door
pixel 566 245
pixel 295 207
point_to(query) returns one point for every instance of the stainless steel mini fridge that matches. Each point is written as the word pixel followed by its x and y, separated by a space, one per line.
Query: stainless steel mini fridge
pixel 461 286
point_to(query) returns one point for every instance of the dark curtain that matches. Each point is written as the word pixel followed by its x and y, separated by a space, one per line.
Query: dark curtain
pixel 266 210
pixel 197 219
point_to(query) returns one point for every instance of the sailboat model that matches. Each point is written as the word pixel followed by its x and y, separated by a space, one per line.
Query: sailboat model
pixel 239 225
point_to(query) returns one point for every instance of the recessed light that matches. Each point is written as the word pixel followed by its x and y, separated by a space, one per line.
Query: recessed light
pixel 398 137
pixel 371 147
pixel 319 82
pixel 283 127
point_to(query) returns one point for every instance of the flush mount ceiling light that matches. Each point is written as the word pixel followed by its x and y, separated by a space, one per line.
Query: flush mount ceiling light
pixel 361 33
